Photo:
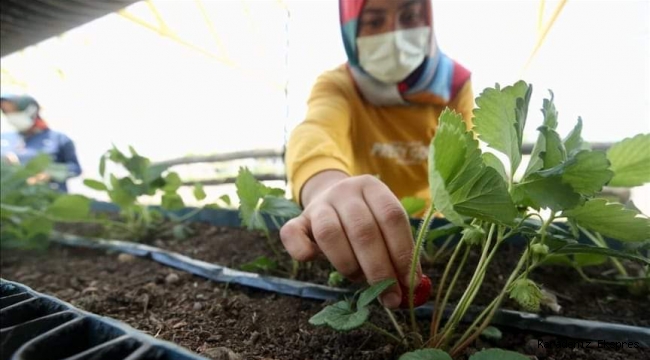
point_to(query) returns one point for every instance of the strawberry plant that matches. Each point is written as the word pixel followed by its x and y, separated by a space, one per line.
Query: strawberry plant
pixel 554 201
pixel 142 222
pixel 257 202
pixel 28 212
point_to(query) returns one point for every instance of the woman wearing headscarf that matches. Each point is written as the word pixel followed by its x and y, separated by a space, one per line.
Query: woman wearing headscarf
pixel 364 142
pixel 32 136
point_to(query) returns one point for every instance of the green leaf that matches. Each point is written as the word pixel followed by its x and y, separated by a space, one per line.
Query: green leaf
pixel 226 199
pixel 37 226
pixel 371 293
pixel 172 182
pixel 587 172
pixel 413 205
pixel 137 166
pixel 630 159
pixel 199 193
pixel 571 249
pixel 492 333
pixel 611 220
pixel 38 164
pixel 261 263
pixel 248 191
pixel 460 184
pixel 154 172
pixel 121 197
pixel 493 161
pixel 550 122
pixel 272 191
pixel 554 154
pixel 498 354
pixel 102 165
pixel 335 278
pixel 445 230
pixel 96 185
pixel 583 260
pixel 116 156
pixel 573 142
pixel 546 192
pixel 340 317
pixel 70 207
pixel 279 206
pixel 172 201
pixel 496 119
pixel 426 354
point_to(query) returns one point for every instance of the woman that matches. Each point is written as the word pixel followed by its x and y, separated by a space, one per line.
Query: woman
pixel 33 137
pixel 375 115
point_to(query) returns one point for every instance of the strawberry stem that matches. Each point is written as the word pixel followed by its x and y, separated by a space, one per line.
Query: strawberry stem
pixel 424 229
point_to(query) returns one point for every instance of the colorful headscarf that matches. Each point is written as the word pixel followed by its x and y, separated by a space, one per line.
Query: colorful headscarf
pixel 439 79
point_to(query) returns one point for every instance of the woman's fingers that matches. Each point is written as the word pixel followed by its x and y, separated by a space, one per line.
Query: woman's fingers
pixel 361 228
pixel 296 238
pixel 369 247
pixel 395 229
pixel 328 232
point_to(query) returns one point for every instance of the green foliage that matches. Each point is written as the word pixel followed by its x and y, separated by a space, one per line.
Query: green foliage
pixel 257 200
pixel 335 279
pixel 500 119
pixel 492 333
pixel 426 354
pixel 498 354
pixel 630 160
pixel 611 219
pixel 260 264
pixel 29 212
pixel 344 316
pixel 479 197
pixel 133 177
pixel 413 205
pixel 460 182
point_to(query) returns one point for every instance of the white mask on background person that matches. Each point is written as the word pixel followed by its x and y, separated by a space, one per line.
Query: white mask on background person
pixel 22 120
pixel 390 57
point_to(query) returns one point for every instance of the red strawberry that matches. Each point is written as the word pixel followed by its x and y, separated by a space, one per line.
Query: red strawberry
pixel 420 295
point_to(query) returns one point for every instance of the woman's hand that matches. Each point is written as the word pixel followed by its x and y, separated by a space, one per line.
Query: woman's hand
pixel 360 226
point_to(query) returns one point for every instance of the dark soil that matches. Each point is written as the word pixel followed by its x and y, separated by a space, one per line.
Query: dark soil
pixel 201 315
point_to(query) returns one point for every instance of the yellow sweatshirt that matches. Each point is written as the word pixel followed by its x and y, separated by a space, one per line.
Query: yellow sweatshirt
pixel 342 131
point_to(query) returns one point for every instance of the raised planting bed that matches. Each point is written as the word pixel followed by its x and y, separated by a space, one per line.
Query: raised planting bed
pixel 203 315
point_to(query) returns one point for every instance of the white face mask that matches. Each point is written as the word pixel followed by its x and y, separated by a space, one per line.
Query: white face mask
pixel 392 56
pixel 22 120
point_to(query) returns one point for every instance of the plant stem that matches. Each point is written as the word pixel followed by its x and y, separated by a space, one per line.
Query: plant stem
pixel 381 331
pixel 599 241
pixel 462 344
pixel 597 281
pixel 441 250
pixel 478 319
pixel 424 228
pixel 469 294
pixel 189 214
pixel 394 321
pixel 440 307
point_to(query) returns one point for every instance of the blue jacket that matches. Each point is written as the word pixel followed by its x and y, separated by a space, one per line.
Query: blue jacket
pixel 56 144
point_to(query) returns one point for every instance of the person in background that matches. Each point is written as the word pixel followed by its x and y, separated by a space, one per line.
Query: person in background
pixel 364 143
pixel 32 137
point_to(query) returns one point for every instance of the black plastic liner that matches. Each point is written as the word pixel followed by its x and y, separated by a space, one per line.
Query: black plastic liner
pixel 34 326
pixel 554 325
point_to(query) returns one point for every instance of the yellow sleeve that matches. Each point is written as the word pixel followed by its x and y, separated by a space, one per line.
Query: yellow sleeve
pixel 322 141
pixel 463 103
